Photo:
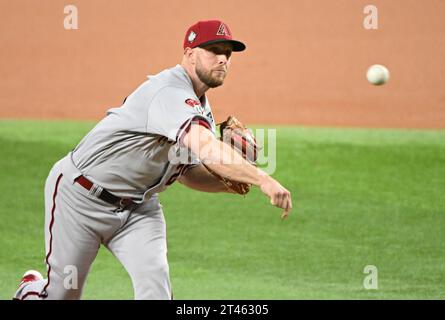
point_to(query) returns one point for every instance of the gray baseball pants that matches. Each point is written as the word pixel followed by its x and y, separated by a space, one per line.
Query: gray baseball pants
pixel 77 223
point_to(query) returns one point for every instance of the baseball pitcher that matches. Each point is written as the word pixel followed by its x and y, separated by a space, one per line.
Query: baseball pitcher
pixel 105 191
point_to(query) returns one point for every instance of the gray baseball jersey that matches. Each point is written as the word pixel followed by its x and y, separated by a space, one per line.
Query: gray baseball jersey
pixel 127 153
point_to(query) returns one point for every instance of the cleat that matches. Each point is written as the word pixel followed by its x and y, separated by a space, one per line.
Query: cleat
pixel 29 276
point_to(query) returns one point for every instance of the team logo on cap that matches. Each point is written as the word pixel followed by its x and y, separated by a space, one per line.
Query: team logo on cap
pixel 192 36
pixel 223 30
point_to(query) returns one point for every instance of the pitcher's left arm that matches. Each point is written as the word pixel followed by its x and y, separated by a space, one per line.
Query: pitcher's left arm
pixel 199 178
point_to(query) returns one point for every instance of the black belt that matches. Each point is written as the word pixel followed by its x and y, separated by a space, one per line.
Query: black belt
pixel 105 195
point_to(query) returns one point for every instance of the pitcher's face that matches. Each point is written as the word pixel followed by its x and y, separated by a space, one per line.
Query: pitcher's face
pixel 212 63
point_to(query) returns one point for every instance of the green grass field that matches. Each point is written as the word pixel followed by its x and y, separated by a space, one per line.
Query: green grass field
pixel 361 197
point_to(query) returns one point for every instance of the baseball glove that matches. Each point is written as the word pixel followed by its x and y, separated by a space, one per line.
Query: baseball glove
pixel 234 133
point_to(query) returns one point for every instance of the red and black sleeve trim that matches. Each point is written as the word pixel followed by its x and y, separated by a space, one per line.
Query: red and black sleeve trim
pixel 185 128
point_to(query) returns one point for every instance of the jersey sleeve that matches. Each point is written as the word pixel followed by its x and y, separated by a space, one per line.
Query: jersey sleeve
pixel 172 111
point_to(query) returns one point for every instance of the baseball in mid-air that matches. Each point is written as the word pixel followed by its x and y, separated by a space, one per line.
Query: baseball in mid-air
pixel 377 74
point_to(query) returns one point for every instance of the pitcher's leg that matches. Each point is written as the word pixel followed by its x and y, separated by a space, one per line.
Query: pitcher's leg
pixel 140 245
pixel 70 246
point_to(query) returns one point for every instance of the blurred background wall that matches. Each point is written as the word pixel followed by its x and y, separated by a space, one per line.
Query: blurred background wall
pixel 305 61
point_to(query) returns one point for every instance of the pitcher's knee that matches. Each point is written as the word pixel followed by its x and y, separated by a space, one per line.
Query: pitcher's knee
pixel 152 283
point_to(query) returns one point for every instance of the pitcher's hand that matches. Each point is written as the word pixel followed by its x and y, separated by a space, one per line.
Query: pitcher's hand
pixel 279 196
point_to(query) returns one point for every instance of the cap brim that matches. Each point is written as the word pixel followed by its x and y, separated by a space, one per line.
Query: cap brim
pixel 237 45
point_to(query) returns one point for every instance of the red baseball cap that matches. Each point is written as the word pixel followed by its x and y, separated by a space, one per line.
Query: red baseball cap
pixel 210 31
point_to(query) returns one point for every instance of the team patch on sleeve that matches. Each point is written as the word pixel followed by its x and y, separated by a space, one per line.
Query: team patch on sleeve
pixel 196 105
pixel 192 102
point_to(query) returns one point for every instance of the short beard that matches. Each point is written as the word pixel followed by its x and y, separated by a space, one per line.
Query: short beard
pixel 206 77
